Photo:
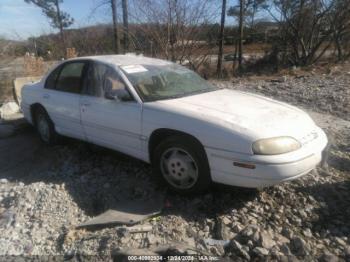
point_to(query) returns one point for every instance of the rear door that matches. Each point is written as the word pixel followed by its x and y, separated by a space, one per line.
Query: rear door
pixel 61 98
pixel 108 122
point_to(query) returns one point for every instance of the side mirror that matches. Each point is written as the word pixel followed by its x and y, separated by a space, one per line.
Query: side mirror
pixel 124 95
pixel 111 96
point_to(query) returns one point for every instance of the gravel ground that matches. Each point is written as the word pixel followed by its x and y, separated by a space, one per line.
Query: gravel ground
pixel 46 192
pixel 326 93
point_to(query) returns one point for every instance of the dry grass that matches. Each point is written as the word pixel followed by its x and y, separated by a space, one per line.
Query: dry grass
pixel 6 90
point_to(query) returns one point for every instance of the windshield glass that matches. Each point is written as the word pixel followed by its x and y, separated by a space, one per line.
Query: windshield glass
pixel 165 82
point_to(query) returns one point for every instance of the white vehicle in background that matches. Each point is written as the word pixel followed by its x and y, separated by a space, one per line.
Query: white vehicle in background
pixel 164 114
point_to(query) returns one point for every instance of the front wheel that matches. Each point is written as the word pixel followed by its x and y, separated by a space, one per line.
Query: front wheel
pixel 181 163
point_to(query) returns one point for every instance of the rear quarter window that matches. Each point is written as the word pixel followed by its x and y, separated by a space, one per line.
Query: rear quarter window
pixel 69 79
pixel 51 79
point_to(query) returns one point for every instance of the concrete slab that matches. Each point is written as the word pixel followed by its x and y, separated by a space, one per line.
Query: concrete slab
pixel 18 84
pixel 13 117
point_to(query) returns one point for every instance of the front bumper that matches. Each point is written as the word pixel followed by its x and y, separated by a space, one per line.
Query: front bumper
pixel 269 170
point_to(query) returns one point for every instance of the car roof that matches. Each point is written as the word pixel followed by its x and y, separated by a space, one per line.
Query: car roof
pixel 121 60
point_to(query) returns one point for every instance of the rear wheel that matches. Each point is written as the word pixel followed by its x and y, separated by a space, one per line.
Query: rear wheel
pixel 45 127
pixel 181 163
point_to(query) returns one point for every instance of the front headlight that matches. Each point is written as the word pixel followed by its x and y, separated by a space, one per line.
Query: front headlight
pixel 275 145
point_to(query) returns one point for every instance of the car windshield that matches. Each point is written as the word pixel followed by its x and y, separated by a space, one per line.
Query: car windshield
pixel 154 82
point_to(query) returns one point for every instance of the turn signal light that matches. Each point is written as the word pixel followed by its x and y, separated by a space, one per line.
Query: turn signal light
pixel 244 165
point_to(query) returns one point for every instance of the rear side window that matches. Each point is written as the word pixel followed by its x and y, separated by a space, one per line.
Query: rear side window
pixel 51 79
pixel 69 79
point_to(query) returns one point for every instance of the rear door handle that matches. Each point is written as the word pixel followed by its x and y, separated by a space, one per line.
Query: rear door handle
pixel 46 96
pixel 85 104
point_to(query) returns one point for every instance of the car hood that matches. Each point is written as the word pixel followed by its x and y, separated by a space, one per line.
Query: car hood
pixel 251 114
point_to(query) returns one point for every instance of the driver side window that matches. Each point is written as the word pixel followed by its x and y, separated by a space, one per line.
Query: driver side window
pixel 112 82
pixel 102 80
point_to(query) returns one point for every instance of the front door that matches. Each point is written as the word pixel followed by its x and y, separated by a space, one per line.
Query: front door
pixel 110 122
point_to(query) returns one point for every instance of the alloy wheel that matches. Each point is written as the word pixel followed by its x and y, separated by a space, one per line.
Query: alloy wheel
pixel 179 168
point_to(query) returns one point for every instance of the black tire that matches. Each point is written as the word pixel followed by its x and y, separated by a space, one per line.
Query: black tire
pixel 198 155
pixel 51 137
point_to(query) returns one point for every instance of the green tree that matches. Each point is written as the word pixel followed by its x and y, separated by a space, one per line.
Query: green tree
pixel 245 13
pixel 58 18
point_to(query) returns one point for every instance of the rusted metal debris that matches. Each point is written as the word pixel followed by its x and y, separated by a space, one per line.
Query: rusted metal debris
pixel 71 53
pixel 127 213
pixel 135 229
pixel 33 65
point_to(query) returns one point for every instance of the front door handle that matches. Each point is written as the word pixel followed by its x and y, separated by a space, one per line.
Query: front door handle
pixel 46 96
pixel 85 104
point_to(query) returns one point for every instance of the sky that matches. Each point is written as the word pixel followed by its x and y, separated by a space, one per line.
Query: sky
pixel 19 20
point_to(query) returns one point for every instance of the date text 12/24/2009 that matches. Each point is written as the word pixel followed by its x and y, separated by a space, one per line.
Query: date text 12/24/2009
pixel 173 258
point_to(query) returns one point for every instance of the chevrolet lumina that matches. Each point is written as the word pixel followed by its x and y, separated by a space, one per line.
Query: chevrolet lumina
pixel 191 132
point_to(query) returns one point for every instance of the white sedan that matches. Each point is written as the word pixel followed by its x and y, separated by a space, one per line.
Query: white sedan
pixel 164 114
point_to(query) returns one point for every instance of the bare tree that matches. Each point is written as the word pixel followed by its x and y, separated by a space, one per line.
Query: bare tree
pixel 174 29
pixel 240 41
pixel 305 29
pixel 113 5
pixel 115 26
pixel 341 28
pixel 172 5
pixel 125 24
pixel 221 39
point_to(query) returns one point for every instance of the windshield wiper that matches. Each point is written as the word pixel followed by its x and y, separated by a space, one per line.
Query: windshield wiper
pixel 182 94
